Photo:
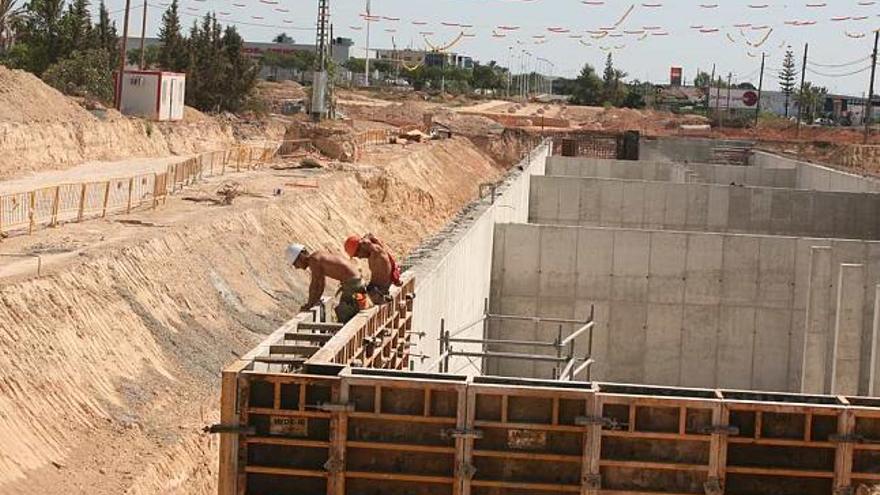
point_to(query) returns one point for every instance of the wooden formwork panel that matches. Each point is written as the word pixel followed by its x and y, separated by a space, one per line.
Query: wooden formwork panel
pixel 371 432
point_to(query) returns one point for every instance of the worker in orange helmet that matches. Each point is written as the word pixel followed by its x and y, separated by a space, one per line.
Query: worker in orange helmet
pixel 384 271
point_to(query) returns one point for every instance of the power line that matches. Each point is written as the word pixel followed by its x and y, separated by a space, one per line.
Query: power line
pixel 859 71
pixel 845 64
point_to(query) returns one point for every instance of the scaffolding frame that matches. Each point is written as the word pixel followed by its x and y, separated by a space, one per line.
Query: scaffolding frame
pixel 567 364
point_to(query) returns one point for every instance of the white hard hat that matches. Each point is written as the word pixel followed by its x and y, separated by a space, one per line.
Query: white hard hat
pixel 293 251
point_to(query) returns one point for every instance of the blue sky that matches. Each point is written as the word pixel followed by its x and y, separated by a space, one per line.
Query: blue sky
pixel 727 29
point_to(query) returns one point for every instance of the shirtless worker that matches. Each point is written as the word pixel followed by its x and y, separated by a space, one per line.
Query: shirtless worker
pixel 323 265
pixel 384 271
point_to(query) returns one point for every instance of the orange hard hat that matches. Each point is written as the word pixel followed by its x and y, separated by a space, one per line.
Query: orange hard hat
pixel 352 244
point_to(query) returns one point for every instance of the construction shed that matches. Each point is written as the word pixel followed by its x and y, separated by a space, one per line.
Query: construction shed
pixel 152 94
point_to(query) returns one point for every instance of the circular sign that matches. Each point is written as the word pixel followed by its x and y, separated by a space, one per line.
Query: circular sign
pixel 750 98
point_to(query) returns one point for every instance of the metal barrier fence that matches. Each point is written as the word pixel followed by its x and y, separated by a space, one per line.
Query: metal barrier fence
pixel 374 137
pixel 49 206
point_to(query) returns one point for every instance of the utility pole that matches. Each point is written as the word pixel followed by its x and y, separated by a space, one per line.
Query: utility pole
pixel 709 91
pixel 803 80
pixel 143 35
pixel 320 83
pixel 718 104
pixel 367 56
pixel 729 81
pixel 509 69
pixel 869 108
pixel 123 46
pixel 760 89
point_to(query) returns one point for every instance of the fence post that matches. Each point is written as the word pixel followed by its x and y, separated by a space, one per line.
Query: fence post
pixel 130 187
pixel 55 206
pixel 1 217
pixel 238 161
pixel 155 190
pixel 106 199
pixel 32 203
pixel 82 203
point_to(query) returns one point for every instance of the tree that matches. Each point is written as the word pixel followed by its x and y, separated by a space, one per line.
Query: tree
pixel 9 13
pixel 612 90
pixel 787 77
pixel 746 85
pixel 240 74
pixel 151 56
pixel 40 31
pixel 634 96
pixel 283 38
pixel 83 74
pixel 702 80
pixel 486 77
pixel 811 101
pixel 76 28
pixel 587 88
pixel 105 37
pixel 172 54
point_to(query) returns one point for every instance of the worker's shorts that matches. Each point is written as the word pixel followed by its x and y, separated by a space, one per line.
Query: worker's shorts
pixel 348 306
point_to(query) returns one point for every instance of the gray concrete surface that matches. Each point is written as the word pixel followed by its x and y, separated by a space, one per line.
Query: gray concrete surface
pixel 673 308
pixel 703 207
pixel 674 149
pixel 848 330
pixel 816 177
pixel 704 173
pixel 452 283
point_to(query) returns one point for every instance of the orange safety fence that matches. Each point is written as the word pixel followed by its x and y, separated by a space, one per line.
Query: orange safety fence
pixel 74 202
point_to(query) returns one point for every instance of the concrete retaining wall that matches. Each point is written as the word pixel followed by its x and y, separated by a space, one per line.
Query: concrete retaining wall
pixel 670 149
pixel 705 173
pixel 817 177
pixel 453 283
pixel 675 308
pixel 703 207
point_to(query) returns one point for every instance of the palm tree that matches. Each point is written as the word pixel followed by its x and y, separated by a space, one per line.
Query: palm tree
pixel 8 12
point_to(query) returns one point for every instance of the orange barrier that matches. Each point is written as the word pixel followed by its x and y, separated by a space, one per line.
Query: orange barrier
pixel 49 206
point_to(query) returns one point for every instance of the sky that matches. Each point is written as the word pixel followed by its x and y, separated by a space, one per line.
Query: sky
pixel 645 38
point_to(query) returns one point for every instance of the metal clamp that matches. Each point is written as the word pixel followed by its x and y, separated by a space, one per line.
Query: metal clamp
pixel 713 486
pixel 336 407
pixel 467 470
pixel 726 430
pixel 236 429
pixel 592 481
pixel 596 420
pixel 848 438
pixel 462 433
pixel 334 466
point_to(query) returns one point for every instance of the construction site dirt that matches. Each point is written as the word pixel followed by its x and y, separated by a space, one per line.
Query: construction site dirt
pixel 114 330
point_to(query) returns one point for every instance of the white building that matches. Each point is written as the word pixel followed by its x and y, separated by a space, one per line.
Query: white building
pixel 153 94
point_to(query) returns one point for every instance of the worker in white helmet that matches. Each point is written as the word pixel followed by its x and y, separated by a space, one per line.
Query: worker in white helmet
pixel 353 290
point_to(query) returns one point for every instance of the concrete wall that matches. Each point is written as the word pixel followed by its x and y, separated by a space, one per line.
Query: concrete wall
pixel 705 173
pixel 673 308
pixel 671 149
pixel 703 207
pixel 452 282
pixel 817 177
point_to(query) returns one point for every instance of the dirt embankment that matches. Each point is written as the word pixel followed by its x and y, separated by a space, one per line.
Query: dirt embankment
pixel 41 129
pixel 109 363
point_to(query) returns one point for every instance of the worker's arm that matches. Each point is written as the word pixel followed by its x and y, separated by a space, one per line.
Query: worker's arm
pixel 316 287
pixel 375 240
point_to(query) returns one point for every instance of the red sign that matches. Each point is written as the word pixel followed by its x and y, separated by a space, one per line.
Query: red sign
pixel 675 75
pixel 750 98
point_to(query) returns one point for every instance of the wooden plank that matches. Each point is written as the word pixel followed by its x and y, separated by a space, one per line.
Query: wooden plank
pixel 590 467
pixel 667 466
pixel 401 447
pixel 779 472
pixel 275 471
pixel 843 455
pixel 338 437
pixel 289 442
pixel 514 485
pixel 412 478
pixel 228 468
pixel 466 413
pixel 528 456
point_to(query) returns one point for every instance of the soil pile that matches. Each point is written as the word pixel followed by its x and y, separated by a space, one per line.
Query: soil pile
pixel 24 98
